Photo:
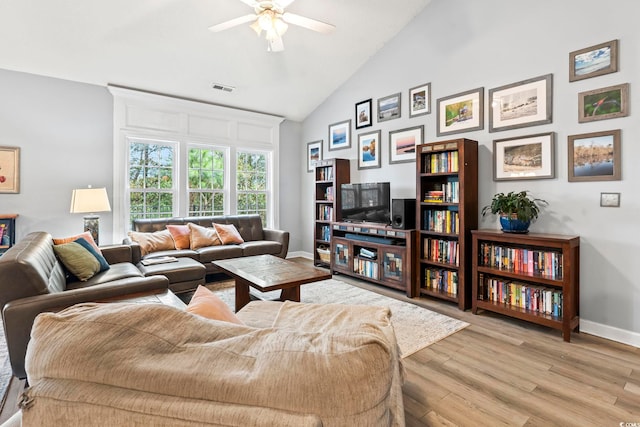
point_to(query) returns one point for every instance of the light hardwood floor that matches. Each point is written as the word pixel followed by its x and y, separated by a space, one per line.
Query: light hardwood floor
pixel 501 371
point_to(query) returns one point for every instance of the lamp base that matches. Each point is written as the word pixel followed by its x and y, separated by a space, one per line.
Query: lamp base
pixel 92 225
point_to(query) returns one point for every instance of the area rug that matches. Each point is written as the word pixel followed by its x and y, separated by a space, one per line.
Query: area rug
pixel 415 327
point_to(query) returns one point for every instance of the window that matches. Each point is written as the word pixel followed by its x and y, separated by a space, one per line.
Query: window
pixel 206 176
pixel 252 184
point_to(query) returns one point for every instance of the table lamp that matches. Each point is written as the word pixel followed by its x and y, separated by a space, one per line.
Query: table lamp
pixel 90 200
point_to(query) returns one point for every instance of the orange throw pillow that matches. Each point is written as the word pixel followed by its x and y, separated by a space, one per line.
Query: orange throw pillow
pixel 207 304
pixel 153 242
pixel 86 236
pixel 181 236
pixel 228 234
pixel 202 237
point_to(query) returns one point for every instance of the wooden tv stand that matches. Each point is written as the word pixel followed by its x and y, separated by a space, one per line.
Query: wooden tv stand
pixel 376 253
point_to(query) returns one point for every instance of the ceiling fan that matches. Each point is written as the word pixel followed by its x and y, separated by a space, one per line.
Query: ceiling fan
pixel 271 18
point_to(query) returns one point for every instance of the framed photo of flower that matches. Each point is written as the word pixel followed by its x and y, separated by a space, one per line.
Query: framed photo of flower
pixel 420 100
pixel 9 169
pixel 369 150
pixel 363 114
pixel 462 112
pixel 314 154
pixel 403 143
pixel 524 157
pixel 593 61
pixel 521 104
pixel 389 107
pixel 595 156
pixel 605 103
pixel 340 135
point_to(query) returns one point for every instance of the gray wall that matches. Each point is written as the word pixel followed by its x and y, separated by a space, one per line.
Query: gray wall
pixel 459 45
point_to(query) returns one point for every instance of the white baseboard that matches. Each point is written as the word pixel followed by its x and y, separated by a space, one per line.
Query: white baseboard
pixel 610 332
pixel 300 254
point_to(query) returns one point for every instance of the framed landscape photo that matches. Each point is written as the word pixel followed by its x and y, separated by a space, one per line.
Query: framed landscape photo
pixel 521 104
pixel 314 154
pixel 389 107
pixel 340 135
pixel 9 169
pixel 369 150
pixel 593 61
pixel 462 112
pixel 595 156
pixel 363 114
pixel 420 100
pixel 605 103
pixel 403 143
pixel 524 157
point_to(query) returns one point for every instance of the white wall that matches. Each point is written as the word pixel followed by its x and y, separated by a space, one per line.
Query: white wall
pixel 459 45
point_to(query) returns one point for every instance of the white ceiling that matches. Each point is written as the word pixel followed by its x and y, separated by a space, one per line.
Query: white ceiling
pixel 165 46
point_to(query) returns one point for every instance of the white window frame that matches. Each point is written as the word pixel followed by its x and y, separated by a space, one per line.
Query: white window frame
pixel 270 189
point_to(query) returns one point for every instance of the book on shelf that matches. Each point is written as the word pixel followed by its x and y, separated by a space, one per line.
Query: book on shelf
pixel 367 253
pixel 441 280
pixel 329 194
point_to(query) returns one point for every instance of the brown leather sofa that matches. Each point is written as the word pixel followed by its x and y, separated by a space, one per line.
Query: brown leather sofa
pixel 257 240
pixel 32 281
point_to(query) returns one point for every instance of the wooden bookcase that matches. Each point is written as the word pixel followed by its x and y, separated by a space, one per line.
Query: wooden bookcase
pixel 446 212
pixel 532 277
pixel 374 252
pixel 7 231
pixel 328 176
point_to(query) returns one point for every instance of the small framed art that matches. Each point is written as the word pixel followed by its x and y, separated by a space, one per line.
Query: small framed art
pixel 420 100
pixel 363 114
pixel 521 104
pixel 369 150
pixel 403 143
pixel 314 154
pixel 389 107
pixel 9 169
pixel 605 103
pixel 610 200
pixel 593 61
pixel 340 135
pixel 462 112
pixel 595 156
pixel 524 157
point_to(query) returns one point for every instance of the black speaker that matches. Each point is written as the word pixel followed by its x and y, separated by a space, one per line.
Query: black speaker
pixel 403 214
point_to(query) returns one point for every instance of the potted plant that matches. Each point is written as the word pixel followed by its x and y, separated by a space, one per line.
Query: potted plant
pixel 516 210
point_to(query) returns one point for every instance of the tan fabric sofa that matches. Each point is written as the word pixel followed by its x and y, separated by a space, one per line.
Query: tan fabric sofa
pixel 291 365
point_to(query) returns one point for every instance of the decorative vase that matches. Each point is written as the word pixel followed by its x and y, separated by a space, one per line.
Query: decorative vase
pixel 511 224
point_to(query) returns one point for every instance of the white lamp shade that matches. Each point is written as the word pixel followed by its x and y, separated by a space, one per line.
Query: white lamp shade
pixel 84 200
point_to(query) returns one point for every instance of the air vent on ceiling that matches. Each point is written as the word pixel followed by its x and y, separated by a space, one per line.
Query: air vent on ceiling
pixel 224 88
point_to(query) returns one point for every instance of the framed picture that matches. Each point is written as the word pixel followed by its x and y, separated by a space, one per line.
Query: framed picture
pixel 389 107
pixel 369 150
pixel 462 112
pixel 606 103
pixel 593 61
pixel 9 169
pixel 521 104
pixel 610 200
pixel 314 154
pixel 363 114
pixel 524 157
pixel 340 135
pixel 420 100
pixel 595 156
pixel 403 142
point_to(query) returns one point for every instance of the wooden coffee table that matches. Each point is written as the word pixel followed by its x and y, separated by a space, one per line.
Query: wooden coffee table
pixel 269 273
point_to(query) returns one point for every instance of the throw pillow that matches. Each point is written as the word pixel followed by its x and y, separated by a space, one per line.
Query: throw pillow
pixel 207 304
pixel 181 236
pixel 228 234
pixel 203 236
pixel 86 235
pixel 153 242
pixel 79 261
pixel 104 265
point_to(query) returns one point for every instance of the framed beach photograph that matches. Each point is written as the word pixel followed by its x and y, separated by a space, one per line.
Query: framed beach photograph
pixel 462 112
pixel 522 104
pixel 389 107
pixel 595 156
pixel 369 150
pixel 524 157
pixel 593 61
pixel 314 154
pixel 605 103
pixel 340 135
pixel 403 143
pixel 420 100
pixel 363 114
pixel 9 169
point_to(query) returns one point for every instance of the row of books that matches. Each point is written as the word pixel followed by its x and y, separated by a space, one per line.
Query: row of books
pixel 325 233
pixel 325 213
pixel 392 265
pixel 341 253
pixel 441 280
pixel 439 250
pixel 449 192
pixel 529 297
pixel 325 173
pixel 441 221
pixel 526 261
pixel 365 267
pixel 441 162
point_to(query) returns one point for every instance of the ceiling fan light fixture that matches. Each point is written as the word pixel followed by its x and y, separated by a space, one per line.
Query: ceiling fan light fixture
pixel 256 27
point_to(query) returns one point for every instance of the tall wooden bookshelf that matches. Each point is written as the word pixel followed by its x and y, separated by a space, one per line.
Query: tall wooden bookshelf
pixel 7 231
pixel 329 175
pixel 446 212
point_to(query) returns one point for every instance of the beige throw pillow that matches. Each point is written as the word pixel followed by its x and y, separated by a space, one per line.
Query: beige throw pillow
pixel 228 234
pixel 202 237
pixel 153 242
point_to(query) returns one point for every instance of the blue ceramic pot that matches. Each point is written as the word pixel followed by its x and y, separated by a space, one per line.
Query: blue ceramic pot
pixel 513 224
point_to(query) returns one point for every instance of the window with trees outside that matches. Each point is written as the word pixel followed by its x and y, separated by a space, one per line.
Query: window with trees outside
pixel 252 183
pixel 206 181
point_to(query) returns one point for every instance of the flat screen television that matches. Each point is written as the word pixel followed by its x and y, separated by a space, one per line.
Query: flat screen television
pixel 366 202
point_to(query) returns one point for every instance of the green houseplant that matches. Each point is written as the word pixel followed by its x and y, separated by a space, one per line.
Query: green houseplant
pixel 516 210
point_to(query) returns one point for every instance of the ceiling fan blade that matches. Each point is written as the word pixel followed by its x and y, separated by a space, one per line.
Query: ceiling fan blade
pixel 308 23
pixel 276 45
pixel 232 23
